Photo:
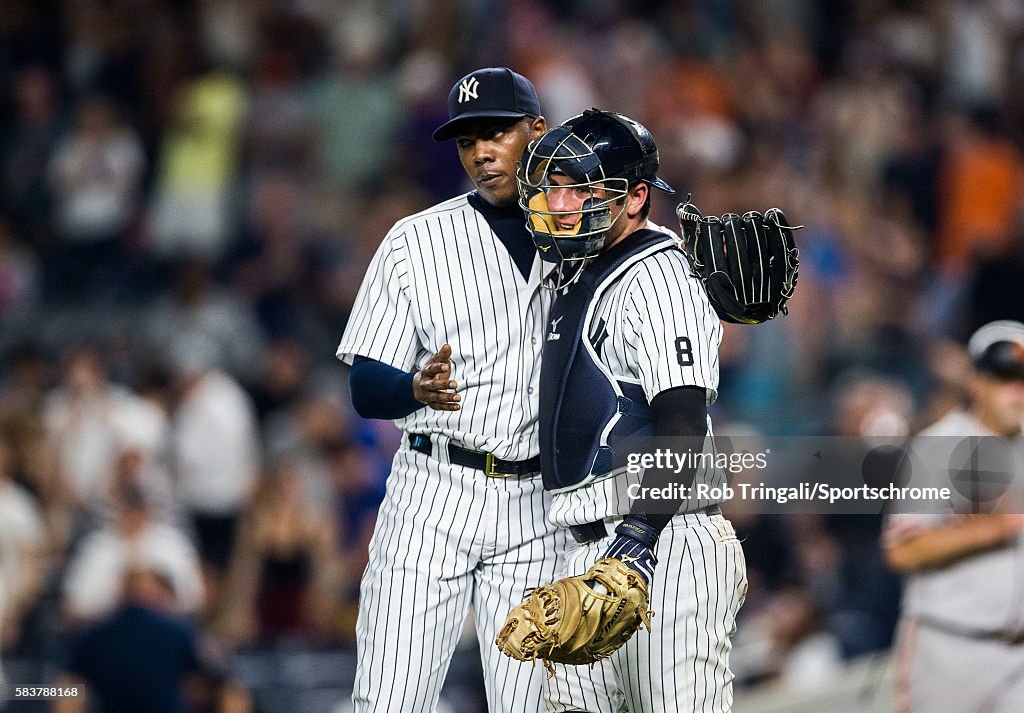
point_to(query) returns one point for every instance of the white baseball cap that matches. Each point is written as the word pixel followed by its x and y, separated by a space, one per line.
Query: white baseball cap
pixel 998 348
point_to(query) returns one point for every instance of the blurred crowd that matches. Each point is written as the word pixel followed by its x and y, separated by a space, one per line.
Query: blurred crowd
pixel 190 193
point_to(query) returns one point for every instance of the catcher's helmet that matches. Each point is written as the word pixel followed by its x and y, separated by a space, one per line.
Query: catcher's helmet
pixel 625 146
pixel 604 154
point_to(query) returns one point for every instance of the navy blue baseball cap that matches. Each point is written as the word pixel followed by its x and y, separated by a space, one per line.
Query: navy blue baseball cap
pixel 489 93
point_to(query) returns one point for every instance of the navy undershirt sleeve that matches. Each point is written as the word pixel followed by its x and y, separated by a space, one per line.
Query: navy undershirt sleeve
pixel 380 390
pixel 681 413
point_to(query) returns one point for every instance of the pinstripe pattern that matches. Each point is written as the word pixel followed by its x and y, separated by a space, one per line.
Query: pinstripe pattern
pixel 655 303
pixel 648 307
pixel 700 580
pixel 683 664
pixel 608 497
pixel 448 538
pixel 441 276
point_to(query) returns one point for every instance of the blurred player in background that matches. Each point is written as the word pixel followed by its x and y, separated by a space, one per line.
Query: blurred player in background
pixel 961 647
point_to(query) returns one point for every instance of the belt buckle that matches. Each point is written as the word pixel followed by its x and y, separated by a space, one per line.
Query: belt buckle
pixel 489 464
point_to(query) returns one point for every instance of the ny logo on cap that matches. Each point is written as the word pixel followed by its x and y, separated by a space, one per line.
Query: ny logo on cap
pixel 467 90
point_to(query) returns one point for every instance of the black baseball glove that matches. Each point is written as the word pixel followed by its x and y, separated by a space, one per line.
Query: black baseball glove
pixel 748 263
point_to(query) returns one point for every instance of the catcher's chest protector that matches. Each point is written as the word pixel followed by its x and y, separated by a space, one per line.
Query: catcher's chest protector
pixel 583 408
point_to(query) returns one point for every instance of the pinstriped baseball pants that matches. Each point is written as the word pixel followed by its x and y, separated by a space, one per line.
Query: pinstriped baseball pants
pixel 682 666
pixel 449 538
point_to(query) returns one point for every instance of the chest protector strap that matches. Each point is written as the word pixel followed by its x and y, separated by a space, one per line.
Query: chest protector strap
pixel 582 406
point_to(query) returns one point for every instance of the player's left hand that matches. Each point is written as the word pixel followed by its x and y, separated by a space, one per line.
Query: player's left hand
pixel 578 620
pixel 748 264
pixel 634 547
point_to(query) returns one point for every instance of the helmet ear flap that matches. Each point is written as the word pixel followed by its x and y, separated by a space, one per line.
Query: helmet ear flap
pixel 541 220
pixel 542 226
pixel 547 246
pixel 597 216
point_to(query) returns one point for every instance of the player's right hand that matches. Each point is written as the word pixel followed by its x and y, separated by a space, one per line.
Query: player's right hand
pixel 432 386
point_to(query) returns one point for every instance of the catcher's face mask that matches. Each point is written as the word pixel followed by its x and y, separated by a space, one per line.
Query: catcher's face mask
pixel 568 201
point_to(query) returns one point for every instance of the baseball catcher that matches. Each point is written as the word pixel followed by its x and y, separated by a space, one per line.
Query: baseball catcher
pixel 622 365
pixel 748 263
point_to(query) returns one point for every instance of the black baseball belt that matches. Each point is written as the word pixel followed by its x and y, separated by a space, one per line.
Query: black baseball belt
pixel 478 460
pixel 593 531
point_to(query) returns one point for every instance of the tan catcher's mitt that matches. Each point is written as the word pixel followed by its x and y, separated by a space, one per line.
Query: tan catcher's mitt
pixel 572 621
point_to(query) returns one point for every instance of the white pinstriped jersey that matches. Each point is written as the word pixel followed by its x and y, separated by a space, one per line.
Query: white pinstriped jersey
pixel 662 333
pixel 448 538
pixel 442 276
